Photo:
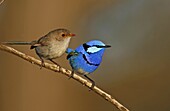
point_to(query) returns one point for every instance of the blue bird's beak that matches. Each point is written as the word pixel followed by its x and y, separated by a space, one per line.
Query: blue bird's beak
pixel 106 46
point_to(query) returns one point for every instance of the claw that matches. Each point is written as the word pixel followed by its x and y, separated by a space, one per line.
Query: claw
pixel 55 63
pixel 71 76
pixel 93 83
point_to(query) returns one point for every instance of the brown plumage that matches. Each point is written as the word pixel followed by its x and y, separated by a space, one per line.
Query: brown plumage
pixel 50 46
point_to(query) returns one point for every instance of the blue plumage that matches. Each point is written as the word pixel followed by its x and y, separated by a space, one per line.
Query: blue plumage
pixel 86 58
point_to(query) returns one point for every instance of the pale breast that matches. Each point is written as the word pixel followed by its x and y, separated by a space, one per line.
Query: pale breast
pixel 58 48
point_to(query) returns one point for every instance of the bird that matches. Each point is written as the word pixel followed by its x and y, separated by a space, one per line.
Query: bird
pixel 50 46
pixel 86 58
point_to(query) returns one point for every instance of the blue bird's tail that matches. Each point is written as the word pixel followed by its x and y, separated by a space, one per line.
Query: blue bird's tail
pixel 71 53
pixel 69 50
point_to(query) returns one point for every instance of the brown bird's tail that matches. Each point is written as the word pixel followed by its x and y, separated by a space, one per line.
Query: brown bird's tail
pixel 19 43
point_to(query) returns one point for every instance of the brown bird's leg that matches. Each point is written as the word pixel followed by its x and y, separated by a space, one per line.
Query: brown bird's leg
pixel 55 63
pixel 42 62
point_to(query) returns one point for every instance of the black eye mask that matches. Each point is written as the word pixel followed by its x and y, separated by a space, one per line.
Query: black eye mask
pixel 85 46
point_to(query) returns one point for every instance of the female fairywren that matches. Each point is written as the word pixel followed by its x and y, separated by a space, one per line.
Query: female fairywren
pixel 50 46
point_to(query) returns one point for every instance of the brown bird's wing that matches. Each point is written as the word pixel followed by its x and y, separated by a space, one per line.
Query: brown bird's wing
pixel 43 41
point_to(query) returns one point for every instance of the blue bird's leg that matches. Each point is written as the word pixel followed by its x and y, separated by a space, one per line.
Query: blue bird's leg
pixel 93 83
pixel 72 73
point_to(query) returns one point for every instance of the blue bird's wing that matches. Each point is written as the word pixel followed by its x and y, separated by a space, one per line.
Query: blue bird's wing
pixel 80 64
pixel 95 58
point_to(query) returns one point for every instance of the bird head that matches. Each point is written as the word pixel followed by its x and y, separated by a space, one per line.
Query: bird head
pixel 61 34
pixel 95 46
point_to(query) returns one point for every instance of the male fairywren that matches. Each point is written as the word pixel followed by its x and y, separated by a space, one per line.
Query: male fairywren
pixel 50 46
pixel 86 58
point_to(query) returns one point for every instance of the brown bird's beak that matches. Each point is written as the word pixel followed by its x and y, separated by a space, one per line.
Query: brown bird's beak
pixel 71 35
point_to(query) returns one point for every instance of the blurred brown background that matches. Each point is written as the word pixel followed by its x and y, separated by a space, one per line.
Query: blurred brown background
pixel 135 70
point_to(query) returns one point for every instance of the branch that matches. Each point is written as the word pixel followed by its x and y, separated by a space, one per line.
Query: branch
pixel 1 1
pixel 66 72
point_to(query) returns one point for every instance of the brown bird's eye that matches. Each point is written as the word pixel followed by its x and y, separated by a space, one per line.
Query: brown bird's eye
pixel 63 35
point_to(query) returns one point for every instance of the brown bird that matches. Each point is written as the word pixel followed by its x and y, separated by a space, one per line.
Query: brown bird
pixel 50 46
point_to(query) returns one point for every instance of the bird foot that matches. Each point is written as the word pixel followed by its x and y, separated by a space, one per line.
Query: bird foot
pixel 59 67
pixel 93 83
pixel 42 64
pixel 92 86
pixel 71 75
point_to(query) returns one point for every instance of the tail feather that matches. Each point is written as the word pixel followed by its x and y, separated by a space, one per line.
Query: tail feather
pixel 18 43
pixel 69 50
pixel 32 43
pixel 32 47
pixel 72 53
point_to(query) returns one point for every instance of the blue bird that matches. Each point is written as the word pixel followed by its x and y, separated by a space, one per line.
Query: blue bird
pixel 86 58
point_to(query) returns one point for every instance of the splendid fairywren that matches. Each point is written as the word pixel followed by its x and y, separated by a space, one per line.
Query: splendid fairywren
pixel 50 46
pixel 86 58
